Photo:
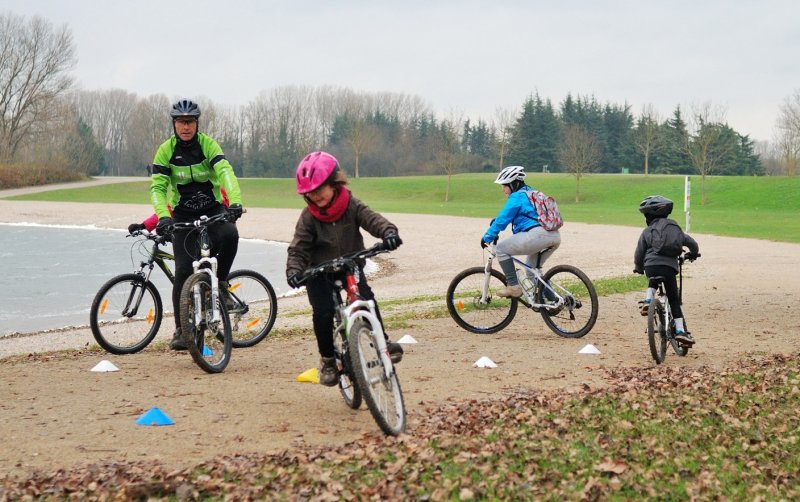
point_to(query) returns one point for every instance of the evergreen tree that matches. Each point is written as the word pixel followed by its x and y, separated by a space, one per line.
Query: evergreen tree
pixel 673 157
pixel 620 150
pixel 535 136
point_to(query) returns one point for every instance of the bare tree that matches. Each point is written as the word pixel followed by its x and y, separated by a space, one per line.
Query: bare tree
pixel 579 153
pixel 787 133
pixel 448 147
pixel 703 145
pixel 646 135
pixel 148 126
pixel 504 119
pixel 34 61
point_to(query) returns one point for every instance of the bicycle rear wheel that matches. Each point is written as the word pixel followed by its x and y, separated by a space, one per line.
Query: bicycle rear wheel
pixel 656 331
pixel 256 307
pixel 579 313
pixel 383 395
pixel 465 305
pixel 209 341
pixel 347 382
pixel 126 314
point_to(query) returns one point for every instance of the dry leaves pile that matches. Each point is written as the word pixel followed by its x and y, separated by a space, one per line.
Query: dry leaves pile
pixel 658 432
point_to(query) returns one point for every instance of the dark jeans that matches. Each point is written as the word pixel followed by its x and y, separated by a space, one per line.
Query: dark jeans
pixel 670 286
pixel 320 290
pixel 186 248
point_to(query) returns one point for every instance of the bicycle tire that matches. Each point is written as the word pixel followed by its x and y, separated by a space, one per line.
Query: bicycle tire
pixel 209 352
pixel 579 313
pixel 383 395
pixel 256 307
pixel 656 331
pixel 119 333
pixel 463 302
pixel 348 386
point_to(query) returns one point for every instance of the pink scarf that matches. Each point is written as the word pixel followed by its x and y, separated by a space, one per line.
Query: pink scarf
pixel 333 211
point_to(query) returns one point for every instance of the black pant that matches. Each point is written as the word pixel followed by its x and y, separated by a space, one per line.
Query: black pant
pixel 320 296
pixel 186 248
pixel 670 286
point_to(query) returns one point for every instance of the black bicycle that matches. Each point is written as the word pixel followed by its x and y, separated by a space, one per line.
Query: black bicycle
pixel 127 311
pixel 660 323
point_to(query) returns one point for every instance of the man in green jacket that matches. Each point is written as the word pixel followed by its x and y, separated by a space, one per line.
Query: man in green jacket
pixel 193 165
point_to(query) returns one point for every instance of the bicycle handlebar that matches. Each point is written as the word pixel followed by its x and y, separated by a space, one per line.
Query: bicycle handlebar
pixel 203 221
pixel 152 236
pixel 343 262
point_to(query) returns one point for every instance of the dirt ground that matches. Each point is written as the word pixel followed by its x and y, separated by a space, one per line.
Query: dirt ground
pixel 56 413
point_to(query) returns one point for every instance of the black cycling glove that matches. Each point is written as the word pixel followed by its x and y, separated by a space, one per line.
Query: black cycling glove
pixel 295 279
pixel 235 211
pixel 392 241
pixel 164 226
pixel 133 227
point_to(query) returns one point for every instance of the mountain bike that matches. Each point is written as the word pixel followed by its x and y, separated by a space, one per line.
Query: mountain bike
pixel 660 323
pixel 564 296
pixel 127 310
pixel 362 359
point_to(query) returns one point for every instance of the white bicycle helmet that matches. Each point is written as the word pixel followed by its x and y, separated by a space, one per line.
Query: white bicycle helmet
pixel 510 174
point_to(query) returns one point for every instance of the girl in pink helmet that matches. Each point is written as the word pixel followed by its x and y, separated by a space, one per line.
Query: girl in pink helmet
pixel 329 227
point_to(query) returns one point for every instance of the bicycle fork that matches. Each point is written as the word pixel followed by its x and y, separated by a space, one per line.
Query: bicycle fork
pixel 208 266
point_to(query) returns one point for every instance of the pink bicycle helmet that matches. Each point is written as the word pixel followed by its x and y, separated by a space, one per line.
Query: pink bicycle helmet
pixel 314 170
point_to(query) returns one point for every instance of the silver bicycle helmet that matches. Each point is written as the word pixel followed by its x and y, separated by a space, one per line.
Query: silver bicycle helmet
pixel 656 205
pixel 185 108
pixel 510 174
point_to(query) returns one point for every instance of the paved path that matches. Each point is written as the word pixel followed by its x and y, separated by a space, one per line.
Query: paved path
pixel 98 180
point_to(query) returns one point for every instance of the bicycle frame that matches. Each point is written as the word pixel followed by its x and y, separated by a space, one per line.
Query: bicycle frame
pixel 358 308
pixel 529 298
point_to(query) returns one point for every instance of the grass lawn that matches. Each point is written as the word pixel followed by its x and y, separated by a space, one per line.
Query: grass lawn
pixel 739 206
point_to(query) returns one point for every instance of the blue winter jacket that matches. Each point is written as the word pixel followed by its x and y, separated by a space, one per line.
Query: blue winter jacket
pixel 518 211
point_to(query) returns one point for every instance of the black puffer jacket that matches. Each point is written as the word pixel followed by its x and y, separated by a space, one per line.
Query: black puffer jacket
pixel 315 241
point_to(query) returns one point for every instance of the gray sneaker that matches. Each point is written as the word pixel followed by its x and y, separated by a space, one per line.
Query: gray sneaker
pixel 328 375
pixel 177 342
pixel 510 292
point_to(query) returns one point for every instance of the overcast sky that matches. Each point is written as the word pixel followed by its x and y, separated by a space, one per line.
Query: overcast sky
pixel 464 57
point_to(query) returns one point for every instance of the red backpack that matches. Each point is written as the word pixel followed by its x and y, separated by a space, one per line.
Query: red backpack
pixel 549 215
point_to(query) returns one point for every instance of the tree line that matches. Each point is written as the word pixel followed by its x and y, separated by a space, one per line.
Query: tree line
pixel 45 119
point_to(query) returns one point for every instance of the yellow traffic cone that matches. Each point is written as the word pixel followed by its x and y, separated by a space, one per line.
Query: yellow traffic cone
pixel 311 376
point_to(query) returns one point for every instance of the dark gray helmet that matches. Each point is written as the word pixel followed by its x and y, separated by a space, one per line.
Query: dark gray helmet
pixel 185 108
pixel 656 205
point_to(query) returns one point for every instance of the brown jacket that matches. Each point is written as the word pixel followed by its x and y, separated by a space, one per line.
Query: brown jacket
pixel 315 241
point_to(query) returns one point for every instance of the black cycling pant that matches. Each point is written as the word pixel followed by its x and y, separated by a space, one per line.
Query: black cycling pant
pixel 186 248
pixel 320 295
pixel 670 286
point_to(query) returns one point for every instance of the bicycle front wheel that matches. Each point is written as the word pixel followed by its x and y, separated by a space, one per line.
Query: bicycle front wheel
pixel 577 315
pixel 657 331
pixel 255 310
pixel 126 314
pixel 383 395
pixel 475 311
pixel 209 341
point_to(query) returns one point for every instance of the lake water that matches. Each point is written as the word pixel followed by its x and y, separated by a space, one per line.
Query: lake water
pixel 50 274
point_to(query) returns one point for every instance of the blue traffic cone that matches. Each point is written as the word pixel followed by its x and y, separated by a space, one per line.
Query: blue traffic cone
pixel 154 416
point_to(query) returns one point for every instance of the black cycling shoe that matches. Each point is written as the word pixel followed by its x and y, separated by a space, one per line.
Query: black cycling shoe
pixel 395 351
pixel 177 342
